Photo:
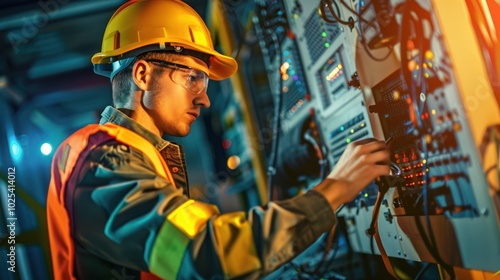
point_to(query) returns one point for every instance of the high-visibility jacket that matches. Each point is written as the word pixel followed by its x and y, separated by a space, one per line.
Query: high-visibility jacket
pixel 68 158
pixel 185 239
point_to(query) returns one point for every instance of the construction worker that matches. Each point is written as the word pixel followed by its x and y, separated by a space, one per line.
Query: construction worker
pixel 118 206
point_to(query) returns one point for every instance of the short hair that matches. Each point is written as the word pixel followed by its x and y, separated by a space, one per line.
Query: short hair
pixel 123 82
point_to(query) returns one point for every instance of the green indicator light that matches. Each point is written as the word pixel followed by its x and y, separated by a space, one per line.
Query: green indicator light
pixel 323 34
pixel 366 194
pixel 327 45
pixel 348 140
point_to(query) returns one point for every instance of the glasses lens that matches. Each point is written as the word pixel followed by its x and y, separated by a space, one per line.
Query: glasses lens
pixel 192 79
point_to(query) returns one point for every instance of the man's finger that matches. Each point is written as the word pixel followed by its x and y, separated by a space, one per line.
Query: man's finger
pixel 379 157
pixel 365 141
pixel 372 146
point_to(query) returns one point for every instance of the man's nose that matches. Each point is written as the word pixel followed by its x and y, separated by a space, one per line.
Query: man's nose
pixel 202 99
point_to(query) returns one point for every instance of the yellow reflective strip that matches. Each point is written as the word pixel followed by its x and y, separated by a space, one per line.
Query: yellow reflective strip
pixel 191 217
pixel 235 244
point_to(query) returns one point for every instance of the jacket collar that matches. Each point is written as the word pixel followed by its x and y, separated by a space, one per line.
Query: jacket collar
pixel 113 115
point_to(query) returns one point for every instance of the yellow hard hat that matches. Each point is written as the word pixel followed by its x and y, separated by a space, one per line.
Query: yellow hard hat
pixel 139 26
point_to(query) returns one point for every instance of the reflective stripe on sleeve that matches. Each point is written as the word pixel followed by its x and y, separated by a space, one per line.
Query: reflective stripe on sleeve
pixel 235 244
pixel 192 216
pixel 181 225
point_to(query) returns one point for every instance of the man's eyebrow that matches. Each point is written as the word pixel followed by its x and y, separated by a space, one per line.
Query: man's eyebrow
pixel 180 60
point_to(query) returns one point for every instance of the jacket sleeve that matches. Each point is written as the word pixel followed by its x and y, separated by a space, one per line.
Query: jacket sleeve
pixel 124 213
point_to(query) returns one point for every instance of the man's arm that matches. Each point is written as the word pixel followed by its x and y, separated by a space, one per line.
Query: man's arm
pixel 126 214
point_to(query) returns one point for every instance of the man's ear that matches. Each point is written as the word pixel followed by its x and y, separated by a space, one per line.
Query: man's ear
pixel 141 73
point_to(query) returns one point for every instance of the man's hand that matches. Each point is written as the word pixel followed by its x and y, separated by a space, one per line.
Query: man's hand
pixel 362 162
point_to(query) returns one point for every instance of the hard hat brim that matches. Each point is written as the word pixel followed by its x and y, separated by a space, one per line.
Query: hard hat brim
pixel 221 66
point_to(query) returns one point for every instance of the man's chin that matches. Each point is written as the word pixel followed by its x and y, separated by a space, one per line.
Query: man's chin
pixel 179 132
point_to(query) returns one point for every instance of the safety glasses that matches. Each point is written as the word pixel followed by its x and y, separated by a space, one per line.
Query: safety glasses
pixel 195 81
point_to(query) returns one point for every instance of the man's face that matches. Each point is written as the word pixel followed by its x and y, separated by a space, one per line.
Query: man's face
pixel 172 106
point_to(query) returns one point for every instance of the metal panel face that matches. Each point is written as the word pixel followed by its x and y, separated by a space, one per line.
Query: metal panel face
pixel 398 70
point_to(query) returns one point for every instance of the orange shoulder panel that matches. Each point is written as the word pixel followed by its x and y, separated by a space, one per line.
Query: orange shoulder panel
pixel 70 154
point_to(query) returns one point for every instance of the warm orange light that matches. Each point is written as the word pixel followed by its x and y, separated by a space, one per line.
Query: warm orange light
pixel 233 162
pixel 412 64
pixel 334 73
pixel 429 55
pixel 396 95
